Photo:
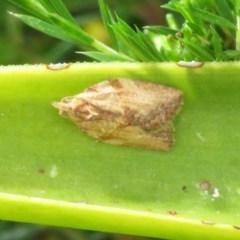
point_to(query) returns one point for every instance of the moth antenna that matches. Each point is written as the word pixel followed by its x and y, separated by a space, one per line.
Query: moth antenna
pixel 61 106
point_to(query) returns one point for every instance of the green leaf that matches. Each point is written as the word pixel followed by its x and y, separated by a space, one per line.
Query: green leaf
pixel 217 44
pixel 54 30
pixel 224 9
pixel 141 46
pixel 105 57
pixel 195 29
pixel 130 44
pixel 161 30
pixel 58 7
pixel 50 22
pixel 27 7
pixel 108 21
pixel 230 54
pixel 213 18
pixel 52 173
pixel 200 53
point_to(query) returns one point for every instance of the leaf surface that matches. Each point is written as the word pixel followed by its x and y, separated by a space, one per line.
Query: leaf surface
pixel 52 173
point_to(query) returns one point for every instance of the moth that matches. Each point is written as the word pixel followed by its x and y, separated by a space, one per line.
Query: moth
pixel 125 112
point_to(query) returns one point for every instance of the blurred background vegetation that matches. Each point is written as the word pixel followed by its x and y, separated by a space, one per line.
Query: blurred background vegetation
pixel 20 44
pixel 24 231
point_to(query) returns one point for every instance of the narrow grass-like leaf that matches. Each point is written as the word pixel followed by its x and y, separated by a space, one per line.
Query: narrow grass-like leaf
pixel 172 22
pixel 171 5
pixel 148 45
pixel 236 3
pixel 27 8
pixel 73 30
pixel 213 18
pixel 106 57
pixel 54 19
pixel 182 8
pixel 60 8
pixel 161 30
pixel 131 41
pixel 217 44
pixel 77 36
pixel 140 44
pixel 108 20
pixel 196 29
pixel 231 54
pixel 200 53
pixel 137 52
pixel 224 9
pixel 57 26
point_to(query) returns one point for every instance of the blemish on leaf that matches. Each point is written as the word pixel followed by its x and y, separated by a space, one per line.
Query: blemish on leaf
pixel 126 112
pixel 208 222
pixel 215 194
pixel 171 212
pixel 41 170
pixel 116 201
pixel 236 227
pixel 205 185
pixel 57 66
pixel 53 171
pixel 200 137
pixel 184 188
pixel 192 64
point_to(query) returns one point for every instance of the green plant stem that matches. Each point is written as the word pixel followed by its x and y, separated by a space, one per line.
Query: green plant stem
pixel 238 34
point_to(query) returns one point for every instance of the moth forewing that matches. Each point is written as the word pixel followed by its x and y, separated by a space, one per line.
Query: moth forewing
pixel 125 112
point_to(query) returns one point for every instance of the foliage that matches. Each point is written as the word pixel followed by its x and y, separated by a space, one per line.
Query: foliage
pixel 209 32
pixel 27 231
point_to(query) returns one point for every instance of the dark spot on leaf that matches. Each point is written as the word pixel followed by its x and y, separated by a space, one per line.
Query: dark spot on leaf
pixel 41 170
pixel 116 201
pixel 184 188
pixel 236 227
pixel 205 185
pixel 172 212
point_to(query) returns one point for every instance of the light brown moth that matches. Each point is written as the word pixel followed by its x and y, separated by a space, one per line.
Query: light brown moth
pixel 125 112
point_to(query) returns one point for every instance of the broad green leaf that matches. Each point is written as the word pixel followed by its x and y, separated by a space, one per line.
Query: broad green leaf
pixel 52 173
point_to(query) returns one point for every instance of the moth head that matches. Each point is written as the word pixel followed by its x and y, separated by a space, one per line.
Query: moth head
pixel 64 106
